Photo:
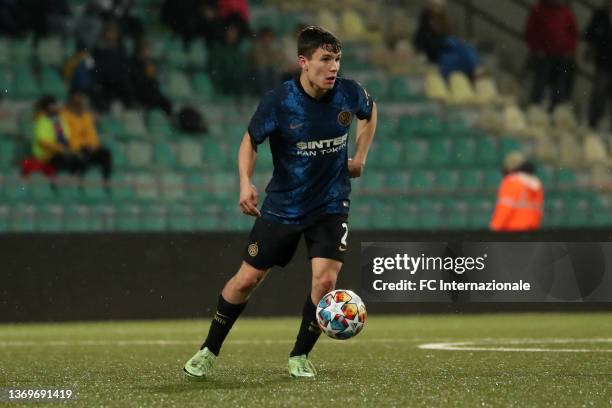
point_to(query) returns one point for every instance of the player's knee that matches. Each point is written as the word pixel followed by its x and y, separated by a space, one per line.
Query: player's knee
pixel 325 284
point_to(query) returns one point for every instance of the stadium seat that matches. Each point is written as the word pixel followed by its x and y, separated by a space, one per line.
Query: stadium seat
pixel 566 178
pixel 515 122
pixel 77 218
pixel 164 155
pixel 158 125
pixel 110 127
pixel 538 117
pixel 570 150
pixel 361 214
pixel 406 214
pixel 179 87
pixel 430 214
pixel 373 182
pixel 422 180
pixel 441 152
pixel 202 86
pixel 446 180
pixel 122 188
pixel 563 118
pixel 16 188
pixel 391 154
pixel 215 155
pixel 492 179
pixel 5 215
pixel 50 218
pixel 50 51
pixel 576 211
pixel 327 19
pixel 399 90
pixel 546 148
pixel 146 187
pixel 93 187
pixel 471 179
pixel 180 218
pixel 435 86
pixel 68 188
pixel 40 189
pixel 197 54
pixel 224 186
pixel 172 186
pixel 21 51
pixel 456 213
pixel 546 174
pixel 128 217
pixel 154 218
pixel 594 149
pixel 23 218
pixel 416 152
pixel 377 87
pixel 554 214
pixel 460 89
pixel 139 155
pixel 464 151
pixel 176 54
pixel 398 182
pixel 52 84
pixel 485 90
pixel 481 211
pixel 7 153
pixel 5 52
pixel 134 125
pixel 25 85
pixel 601 211
pixel 208 217
pixel 486 151
pixel 189 154
pixel 383 214
pixel 508 145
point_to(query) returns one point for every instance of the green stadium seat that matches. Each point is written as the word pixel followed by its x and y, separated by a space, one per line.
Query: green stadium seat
pixel 203 86
pixel 109 126
pixel 373 182
pixel 176 54
pixel 50 218
pixel 207 217
pixel 122 188
pixel 6 83
pixel 492 179
pixel 52 84
pixel 214 154
pixel 430 214
pixel 163 154
pixel 50 51
pixel 134 125
pixel 391 154
pixel 154 218
pixel 456 213
pixel 146 188
pixel 128 218
pixel 377 88
pixel 189 154
pixel 23 218
pixel 21 51
pixel 139 154
pixel 471 179
pixel 576 211
pixel 40 188
pixel 172 186
pixel 566 178
pixel 224 186
pixel 197 54
pixel 179 87
pixel 465 148
pixel 383 215
pixel 441 152
pixel 508 145
pixel 25 85
pixel 198 188
pixel 447 180
pixel 77 218
pixel 16 188
pixel 117 150
pixel 360 215
pixel 93 187
pixel 399 90
pixel 5 52
pixel 481 211
pixel 398 182
pixel 7 153
pixel 486 152
pixel 422 180
pixel 554 212
pixel 180 218
pixel 416 153
pixel 546 174
pixel 102 217
pixel 386 129
pixel 429 127
pixel 601 212
pixel 159 125
pixel 406 214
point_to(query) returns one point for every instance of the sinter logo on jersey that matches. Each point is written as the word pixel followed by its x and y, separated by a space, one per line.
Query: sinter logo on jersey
pixel 324 146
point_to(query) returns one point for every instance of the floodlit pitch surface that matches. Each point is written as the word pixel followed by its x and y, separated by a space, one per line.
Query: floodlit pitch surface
pixel 451 360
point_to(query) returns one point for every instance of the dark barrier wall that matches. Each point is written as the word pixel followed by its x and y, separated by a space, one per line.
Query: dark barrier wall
pixel 120 276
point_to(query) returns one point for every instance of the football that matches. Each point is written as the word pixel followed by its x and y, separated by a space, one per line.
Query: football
pixel 341 314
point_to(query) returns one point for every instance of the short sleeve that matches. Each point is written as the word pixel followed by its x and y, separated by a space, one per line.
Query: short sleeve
pixel 264 122
pixel 363 100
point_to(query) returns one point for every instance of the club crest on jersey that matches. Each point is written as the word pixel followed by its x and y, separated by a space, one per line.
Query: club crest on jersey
pixel 253 249
pixel 345 117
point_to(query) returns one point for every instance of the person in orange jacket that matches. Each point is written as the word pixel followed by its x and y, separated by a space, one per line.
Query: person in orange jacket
pixel 520 198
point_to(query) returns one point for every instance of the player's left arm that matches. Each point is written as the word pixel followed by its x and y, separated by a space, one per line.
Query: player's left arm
pixel 365 135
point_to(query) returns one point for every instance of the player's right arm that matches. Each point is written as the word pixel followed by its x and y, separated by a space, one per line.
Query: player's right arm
pixel 247 156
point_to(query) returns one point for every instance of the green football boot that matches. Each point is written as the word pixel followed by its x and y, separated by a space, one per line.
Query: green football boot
pixel 301 367
pixel 201 364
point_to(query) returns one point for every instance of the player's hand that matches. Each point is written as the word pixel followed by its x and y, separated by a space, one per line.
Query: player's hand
pixel 355 168
pixel 249 199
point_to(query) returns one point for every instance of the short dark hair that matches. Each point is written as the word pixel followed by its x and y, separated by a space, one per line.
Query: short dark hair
pixel 314 37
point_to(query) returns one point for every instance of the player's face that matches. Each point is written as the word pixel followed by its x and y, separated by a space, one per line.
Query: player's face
pixel 322 68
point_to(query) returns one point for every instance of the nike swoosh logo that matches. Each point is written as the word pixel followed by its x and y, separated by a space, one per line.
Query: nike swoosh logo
pixel 296 126
pixel 341 248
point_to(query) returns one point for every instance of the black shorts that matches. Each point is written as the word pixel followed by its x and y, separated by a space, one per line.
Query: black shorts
pixel 272 243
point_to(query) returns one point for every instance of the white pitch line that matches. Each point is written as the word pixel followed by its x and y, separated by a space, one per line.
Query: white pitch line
pixel 476 346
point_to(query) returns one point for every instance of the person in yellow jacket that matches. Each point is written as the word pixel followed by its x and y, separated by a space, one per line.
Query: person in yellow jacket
pixel 51 143
pixel 520 198
pixel 84 139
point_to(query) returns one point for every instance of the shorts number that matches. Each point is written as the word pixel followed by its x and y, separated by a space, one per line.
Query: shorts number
pixel 343 239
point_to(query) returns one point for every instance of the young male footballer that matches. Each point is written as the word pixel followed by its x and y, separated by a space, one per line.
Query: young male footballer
pixel 307 122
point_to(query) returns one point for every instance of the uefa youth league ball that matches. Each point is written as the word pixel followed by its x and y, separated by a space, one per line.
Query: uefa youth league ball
pixel 341 314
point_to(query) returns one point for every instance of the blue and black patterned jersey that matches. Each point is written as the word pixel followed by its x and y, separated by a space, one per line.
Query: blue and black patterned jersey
pixel 309 142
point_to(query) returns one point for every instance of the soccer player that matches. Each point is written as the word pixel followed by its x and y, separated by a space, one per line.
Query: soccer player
pixel 307 122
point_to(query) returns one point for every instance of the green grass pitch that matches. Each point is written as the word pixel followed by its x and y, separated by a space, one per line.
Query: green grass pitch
pixel 139 364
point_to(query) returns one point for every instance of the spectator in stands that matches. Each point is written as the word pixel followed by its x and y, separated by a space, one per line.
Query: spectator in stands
pixel 84 140
pixel 52 138
pixel 457 55
pixel 119 12
pixel 267 60
pixel 432 31
pixel 144 78
pixel 598 35
pixel 79 71
pixel 191 19
pixel 552 37
pixel 112 70
pixel 520 198
pixel 226 66
pixel 47 16
pixel 235 13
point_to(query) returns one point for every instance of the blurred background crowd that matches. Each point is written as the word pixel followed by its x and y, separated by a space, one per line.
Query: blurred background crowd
pixel 127 114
